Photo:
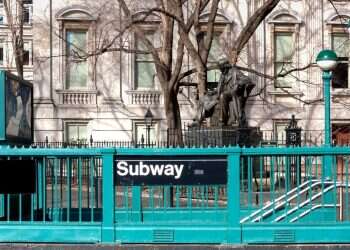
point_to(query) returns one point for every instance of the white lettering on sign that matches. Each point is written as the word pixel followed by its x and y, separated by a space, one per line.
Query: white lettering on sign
pixel 141 169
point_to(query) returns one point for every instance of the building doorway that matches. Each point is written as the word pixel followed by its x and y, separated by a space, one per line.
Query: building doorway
pixel 341 134
pixel 341 137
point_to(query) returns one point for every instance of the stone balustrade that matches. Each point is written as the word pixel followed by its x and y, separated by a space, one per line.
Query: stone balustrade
pixel 77 97
pixel 144 97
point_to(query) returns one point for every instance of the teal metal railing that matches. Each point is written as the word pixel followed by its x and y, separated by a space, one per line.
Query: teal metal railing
pixel 67 203
pixel 272 195
pixel 68 189
pixel 288 184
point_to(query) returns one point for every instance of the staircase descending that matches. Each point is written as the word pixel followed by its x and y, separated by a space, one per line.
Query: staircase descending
pixel 309 196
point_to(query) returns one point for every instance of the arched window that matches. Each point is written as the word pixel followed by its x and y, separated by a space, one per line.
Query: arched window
pixel 340 43
pixel 144 70
pixel 285 32
pixel 222 29
pixel 76 34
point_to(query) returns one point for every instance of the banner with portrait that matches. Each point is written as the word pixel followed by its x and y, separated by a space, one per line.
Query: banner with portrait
pixel 18 110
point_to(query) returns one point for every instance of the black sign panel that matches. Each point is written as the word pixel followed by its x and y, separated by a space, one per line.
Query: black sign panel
pixel 170 170
pixel 17 176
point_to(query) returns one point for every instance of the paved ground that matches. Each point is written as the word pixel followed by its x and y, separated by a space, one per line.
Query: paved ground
pixel 170 247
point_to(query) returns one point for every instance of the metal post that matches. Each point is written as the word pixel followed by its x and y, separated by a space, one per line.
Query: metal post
pixel 136 203
pixel 327 164
pixel 107 196
pixel 233 190
pixel 327 76
pixel 148 136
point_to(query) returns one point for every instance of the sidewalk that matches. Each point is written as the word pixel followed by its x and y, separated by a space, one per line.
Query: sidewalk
pixel 170 247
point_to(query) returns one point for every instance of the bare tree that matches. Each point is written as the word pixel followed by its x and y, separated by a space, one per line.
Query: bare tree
pixel 249 29
pixel 15 20
pixel 168 68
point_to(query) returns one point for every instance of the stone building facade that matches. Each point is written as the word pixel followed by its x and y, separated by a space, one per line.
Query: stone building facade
pixel 106 96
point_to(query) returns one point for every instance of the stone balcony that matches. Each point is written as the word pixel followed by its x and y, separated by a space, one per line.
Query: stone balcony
pixel 144 97
pixel 77 97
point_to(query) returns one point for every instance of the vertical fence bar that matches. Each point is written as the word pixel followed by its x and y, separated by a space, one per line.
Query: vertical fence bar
pixel 272 180
pixel 335 168
pixel 32 206
pixel 20 207
pixel 91 188
pixel 298 181
pixel 8 211
pixel 347 188
pixel 40 179
pixel 80 186
pixel 189 197
pixel 69 188
pixel 233 206
pixel 44 187
pixel 136 203
pixel 54 186
pixel 327 176
pixel 177 196
pixel 261 166
pixel 249 181
pixel 107 196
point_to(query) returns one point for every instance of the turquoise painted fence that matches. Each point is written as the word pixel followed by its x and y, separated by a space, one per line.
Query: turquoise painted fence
pixel 273 195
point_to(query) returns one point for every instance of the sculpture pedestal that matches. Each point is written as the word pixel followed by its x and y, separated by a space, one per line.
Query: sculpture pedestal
pixel 222 136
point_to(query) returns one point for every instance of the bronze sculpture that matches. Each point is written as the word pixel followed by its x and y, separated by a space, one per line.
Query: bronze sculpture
pixel 231 94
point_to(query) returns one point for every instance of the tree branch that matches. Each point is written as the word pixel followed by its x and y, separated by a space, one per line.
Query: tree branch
pixel 251 26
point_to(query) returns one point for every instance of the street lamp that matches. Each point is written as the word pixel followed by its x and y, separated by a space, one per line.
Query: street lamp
pixel 148 120
pixel 327 61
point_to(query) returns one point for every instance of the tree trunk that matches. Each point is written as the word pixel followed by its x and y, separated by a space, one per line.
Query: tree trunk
pixel 19 39
pixel 202 80
pixel 173 116
pixel 15 23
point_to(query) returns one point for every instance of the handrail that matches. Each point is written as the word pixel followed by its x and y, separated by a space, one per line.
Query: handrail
pixel 278 199
pixel 304 203
pixel 311 209
pixel 338 184
pixel 315 196
pixel 283 197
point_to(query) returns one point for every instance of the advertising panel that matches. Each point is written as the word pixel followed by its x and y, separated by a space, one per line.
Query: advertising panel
pixel 18 109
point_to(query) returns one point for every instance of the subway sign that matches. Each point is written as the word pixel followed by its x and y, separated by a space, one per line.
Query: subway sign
pixel 170 170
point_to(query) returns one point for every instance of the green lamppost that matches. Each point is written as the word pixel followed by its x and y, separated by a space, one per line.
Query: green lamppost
pixel 327 61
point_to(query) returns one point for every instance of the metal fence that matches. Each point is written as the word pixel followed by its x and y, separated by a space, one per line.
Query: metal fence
pixel 272 195
pixel 198 137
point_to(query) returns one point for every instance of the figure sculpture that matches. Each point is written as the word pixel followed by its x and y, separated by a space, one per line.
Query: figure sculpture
pixel 232 94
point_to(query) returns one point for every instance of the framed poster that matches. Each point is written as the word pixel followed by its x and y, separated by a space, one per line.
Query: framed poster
pixel 17 104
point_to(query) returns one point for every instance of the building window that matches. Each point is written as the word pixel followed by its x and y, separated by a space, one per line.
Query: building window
pixel 145 71
pixel 77 28
pixel 2 53
pixel 341 45
pixel 27 12
pixel 280 131
pixel 141 133
pixel 215 52
pixel 76 132
pixel 27 54
pixel 283 58
pixel 76 65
